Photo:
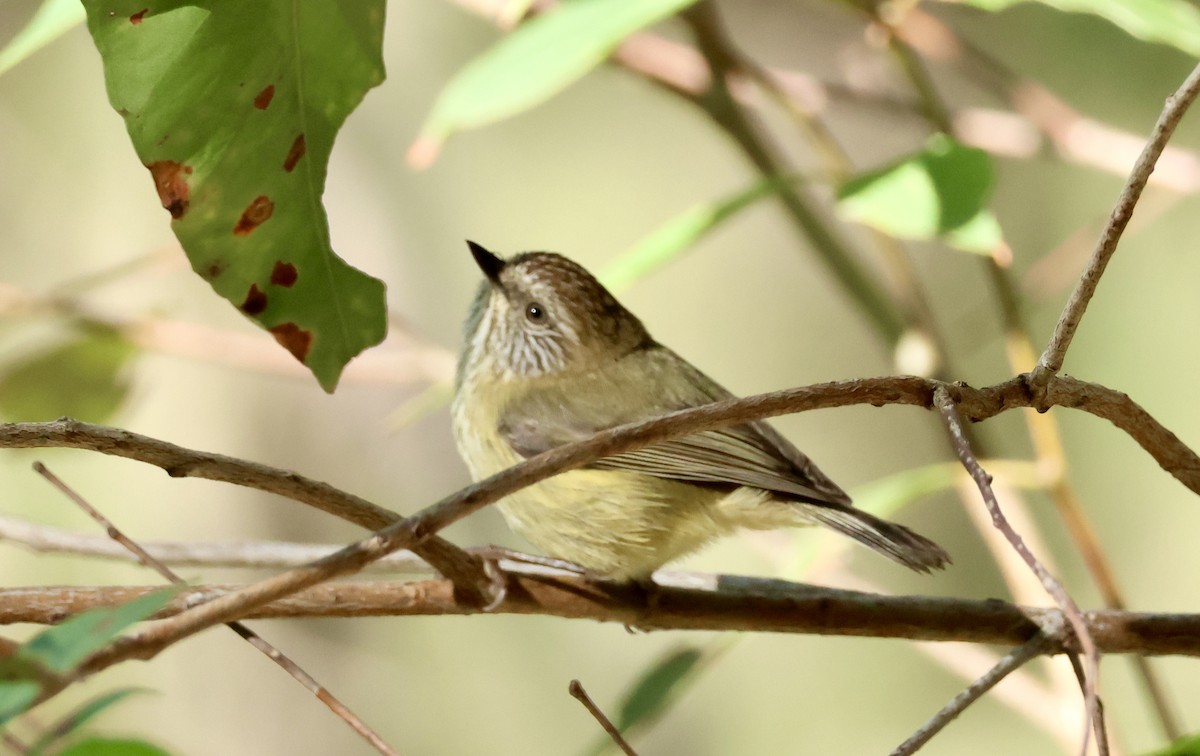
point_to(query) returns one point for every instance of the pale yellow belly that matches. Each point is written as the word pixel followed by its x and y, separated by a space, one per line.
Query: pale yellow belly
pixel 614 523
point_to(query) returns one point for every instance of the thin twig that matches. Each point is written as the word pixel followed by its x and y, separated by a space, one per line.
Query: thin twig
pixel 1070 609
pixel 577 691
pixel 1012 661
pixel 1098 724
pixel 254 639
pixel 1064 331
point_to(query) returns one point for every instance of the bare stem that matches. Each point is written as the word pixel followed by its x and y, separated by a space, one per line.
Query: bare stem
pixel 1012 661
pixel 1070 609
pixel 254 639
pixel 1064 331
pixel 577 691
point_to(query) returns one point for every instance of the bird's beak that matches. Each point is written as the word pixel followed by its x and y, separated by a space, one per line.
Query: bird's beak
pixel 490 264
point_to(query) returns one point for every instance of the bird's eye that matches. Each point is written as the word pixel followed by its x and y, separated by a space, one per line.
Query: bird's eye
pixel 535 312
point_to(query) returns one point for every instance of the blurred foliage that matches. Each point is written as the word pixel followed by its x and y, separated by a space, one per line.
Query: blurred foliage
pixel 56 652
pixel 942 191
pixel 85 378
pixel 53 19
pixel 1171 22
pixel 535 62
pixel 1186 746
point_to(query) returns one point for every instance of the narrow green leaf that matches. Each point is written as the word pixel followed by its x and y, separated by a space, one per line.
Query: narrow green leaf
pixel 1169 22
pixel 233 107
pixel 887 496
pixel 680 233
pixel 15 697
pixel 83 378
pixel 652 693
pixel 113 747
pixel 60 648
pixel 53 19
pixel 533 63
pixel 81 715
pixel 938 192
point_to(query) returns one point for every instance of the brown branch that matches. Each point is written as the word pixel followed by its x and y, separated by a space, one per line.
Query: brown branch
pixel 298 673
pixel 1064 331
pixel 1012 661
pixel 685 602
pixel 975 404
pixel 578 693
pixel 466 570
pixel 1051 584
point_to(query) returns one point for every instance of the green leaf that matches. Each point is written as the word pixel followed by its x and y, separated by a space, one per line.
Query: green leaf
pixel 53 19
pixel 16 696
pixel 233 107
pixel 82 379
pixel 61 648
pixel 80 716
pixel 658 687
pixel 652 693
pixel 887 496
pixel 941 191
pixel 1188 745
pixel 533 63
pixel 1168 22
pixel 113 747
pixel 680 233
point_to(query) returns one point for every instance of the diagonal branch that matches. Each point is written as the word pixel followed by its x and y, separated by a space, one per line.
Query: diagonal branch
pixel 465 569
pixel 1064 331
pixel 1052 585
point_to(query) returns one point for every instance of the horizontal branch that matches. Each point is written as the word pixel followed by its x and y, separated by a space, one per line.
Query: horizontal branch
pixel 416 531
pixel 688 602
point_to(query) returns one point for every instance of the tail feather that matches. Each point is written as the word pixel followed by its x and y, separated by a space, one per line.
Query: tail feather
pixel 894 541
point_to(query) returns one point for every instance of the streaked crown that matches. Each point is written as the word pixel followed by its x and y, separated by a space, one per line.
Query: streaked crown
pixel 539 313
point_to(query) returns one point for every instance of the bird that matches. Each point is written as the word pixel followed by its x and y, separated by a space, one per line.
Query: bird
pixel 550 357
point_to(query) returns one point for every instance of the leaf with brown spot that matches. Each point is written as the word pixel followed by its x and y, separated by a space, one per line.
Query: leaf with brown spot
pixel 294 339
pixel 295 70
pixel 255 214
pixel 170 179
pixel 294 154
pixel 255 301
pixel 284 274
pixel 136 18
pixel 264 97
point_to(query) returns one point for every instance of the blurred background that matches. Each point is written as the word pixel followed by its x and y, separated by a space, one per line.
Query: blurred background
pixel 590 174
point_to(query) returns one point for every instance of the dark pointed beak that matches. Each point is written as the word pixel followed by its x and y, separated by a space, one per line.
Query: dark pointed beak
pixel 490 264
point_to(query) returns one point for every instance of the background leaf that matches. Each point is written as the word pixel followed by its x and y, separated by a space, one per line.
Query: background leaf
pixel 80 716
pixel 83 379
pixel 532 64
pixel 113 747
pixel 1169 22
pixel 60 648
pixel 940 191
pixel 16 696
pixel 233 107
pixel 53 19
pixel 678 234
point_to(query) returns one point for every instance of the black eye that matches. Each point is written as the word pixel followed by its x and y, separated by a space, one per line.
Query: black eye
pixel 535 312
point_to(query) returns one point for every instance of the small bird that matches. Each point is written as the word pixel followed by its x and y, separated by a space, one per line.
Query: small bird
pixel 550 357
